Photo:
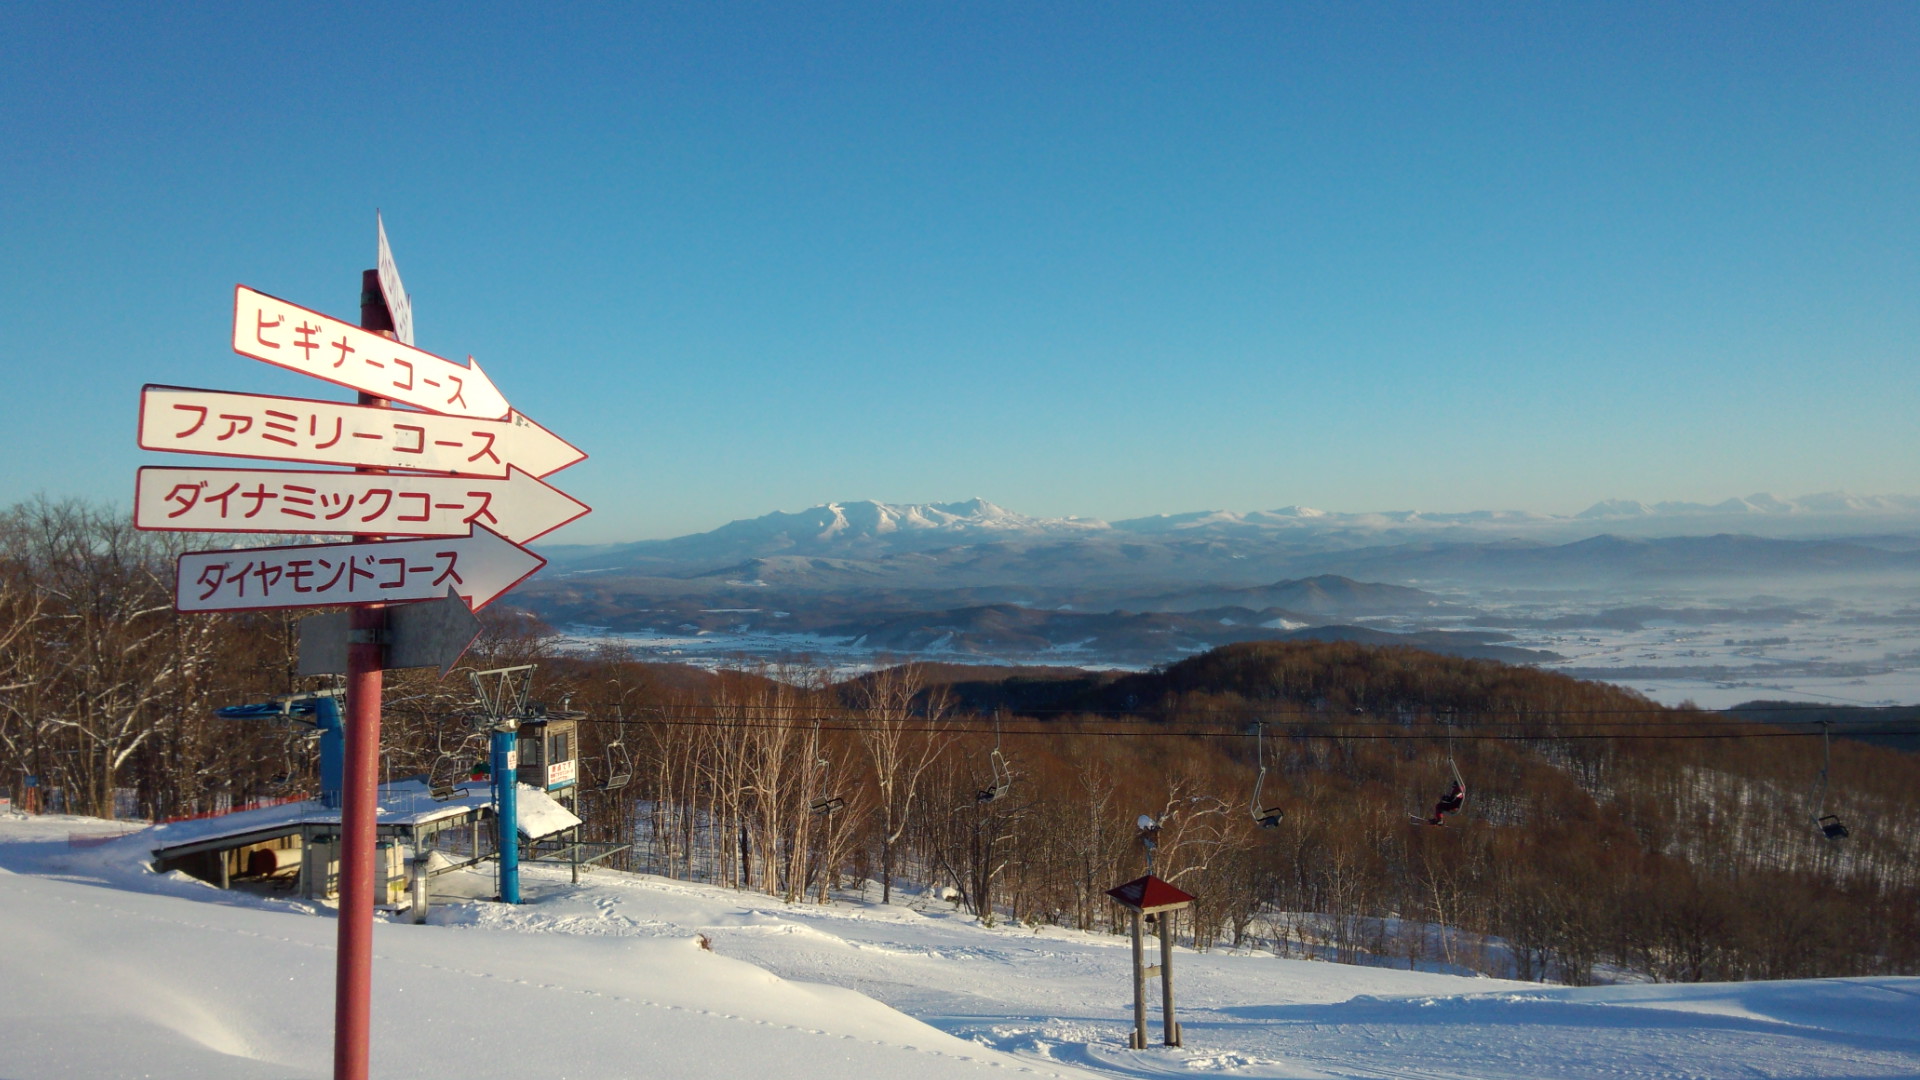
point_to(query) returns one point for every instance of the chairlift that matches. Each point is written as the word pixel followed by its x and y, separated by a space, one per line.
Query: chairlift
pixel 1455 798
pixel 1265 817
pixel 826 802
pixel 1002 773
pixel 1829 825
pixel 451 769
pixel 619 767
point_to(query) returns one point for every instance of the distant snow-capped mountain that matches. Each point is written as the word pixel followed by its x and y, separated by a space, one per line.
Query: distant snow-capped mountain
pixel 870 530
pixel 859 529
pixel 1832 502
pixel 841 522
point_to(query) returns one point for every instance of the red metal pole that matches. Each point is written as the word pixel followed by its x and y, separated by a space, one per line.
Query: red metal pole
pixel 359 801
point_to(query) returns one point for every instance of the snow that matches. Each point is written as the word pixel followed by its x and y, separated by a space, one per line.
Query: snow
pixel 110 971
pixel 537 814
pixel 1859 653
pixel 403 802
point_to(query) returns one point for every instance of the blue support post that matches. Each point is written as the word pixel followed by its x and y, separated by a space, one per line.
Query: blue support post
pixel 333 751
pixel 506 802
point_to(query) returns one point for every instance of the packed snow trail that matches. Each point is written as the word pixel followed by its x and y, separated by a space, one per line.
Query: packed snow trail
pixel 111 971
pixel 104 981
pixel 1063 997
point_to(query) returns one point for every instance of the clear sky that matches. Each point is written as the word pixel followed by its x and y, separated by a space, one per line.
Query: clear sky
pixel 1100 259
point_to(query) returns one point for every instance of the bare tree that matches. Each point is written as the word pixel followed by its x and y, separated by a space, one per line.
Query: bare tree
pixel 902 740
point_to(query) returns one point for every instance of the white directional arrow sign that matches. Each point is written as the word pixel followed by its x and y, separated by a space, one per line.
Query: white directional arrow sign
pixel 478 567
pixel 278 332
pixel 331 433
pixel 519 508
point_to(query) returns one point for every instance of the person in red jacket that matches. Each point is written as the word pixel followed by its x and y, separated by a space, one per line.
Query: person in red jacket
pixel 1450 803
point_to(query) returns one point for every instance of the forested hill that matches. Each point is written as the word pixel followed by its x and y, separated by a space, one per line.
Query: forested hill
pixel 1300 679
pixel 1601 829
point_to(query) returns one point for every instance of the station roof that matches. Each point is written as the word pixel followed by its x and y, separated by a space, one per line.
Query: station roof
pixel 403 803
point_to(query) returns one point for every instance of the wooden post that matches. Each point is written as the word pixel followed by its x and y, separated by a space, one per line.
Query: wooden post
pixel 1139 1039
pixel 1169 1027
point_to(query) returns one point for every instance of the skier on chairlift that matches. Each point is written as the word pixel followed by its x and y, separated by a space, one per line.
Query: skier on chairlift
pixel 1450 803
pixel 1456 796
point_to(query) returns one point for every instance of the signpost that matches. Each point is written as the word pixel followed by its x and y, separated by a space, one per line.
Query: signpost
pixel 445 531
pixel 186 421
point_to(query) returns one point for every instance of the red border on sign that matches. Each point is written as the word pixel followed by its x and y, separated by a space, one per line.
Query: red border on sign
pixel 316 375
pixel 542 564
pixel 297 530
pixel 400 407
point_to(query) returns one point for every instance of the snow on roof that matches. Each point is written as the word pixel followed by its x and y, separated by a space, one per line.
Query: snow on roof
pixel 402 803
pixel 539 815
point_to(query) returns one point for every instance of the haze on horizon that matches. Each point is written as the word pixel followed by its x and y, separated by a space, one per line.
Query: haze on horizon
pixel 1079 260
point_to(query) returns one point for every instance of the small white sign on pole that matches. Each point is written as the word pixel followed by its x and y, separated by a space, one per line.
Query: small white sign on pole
pixel 399 304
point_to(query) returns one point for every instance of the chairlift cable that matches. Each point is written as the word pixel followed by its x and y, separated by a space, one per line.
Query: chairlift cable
pixel 1661 732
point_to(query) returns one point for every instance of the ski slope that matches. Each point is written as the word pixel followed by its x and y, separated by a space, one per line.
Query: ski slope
pixel 110 971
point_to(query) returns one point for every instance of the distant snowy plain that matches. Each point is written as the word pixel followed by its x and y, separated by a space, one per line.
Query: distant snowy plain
pixel 110 971
pixel 1853 650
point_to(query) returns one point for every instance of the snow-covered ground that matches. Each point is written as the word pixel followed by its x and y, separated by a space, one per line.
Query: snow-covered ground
pixel 1843 657
pixel 109 971
pixel 1864 651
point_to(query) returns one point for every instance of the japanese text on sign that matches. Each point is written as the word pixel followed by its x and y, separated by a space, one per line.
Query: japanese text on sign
pixel 519 508
pixel 270 329
pixel 478 567
pixel 243 425
pixel 242 500
pixel 264 576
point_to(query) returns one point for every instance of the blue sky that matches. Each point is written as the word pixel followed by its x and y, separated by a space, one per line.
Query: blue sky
pixel 1077 259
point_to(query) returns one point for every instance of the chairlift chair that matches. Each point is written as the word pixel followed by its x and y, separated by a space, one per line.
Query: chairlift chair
pixel 1002 772
pixel 825 803
pixel 1265 817
pixel 619 767
pixel 1830 825
pixel 451 769
pixel 619 760
pixel 1456 798
pixel 1450 803
pixel 444 777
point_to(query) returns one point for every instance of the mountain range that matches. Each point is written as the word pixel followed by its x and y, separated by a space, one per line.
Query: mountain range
pixel 865 529
pixel 974 578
